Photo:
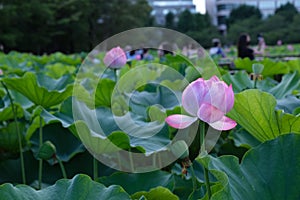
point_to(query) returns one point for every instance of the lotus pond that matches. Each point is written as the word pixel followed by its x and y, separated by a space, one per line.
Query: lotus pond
pixel 42 155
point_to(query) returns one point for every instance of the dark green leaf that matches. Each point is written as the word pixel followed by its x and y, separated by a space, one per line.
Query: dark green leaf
pixel 80 187
pixel 140 181
pixel 268 171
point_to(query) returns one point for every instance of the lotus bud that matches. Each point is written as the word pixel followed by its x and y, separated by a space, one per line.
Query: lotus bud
pixel 257 68
pixel 115 58
pixel 47 151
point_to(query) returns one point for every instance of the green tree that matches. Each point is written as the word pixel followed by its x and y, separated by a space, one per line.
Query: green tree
pixel 249 26
pixel 274 28
pixel 201 22
pixel 185 21
pixel 69 26
pixel 243 12
pixel 288 11
pixel 293 31
pixel 170 20
pixel 25 25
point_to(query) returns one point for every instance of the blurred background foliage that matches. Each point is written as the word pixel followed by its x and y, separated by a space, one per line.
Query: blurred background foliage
pixel 47 26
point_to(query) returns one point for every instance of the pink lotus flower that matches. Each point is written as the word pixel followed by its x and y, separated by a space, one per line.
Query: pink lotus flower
pixel 115 58
pixel 290 47
pixel 207 100
pixel 1 72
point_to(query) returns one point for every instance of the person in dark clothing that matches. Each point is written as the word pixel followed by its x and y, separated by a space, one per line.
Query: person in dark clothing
pixel 243 50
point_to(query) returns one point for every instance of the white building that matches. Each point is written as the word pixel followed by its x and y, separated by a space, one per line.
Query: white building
pixel 219 10
pixel 162 7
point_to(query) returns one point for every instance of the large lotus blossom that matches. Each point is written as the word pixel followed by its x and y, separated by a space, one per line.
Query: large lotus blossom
pixel 207 100
pixel 115 58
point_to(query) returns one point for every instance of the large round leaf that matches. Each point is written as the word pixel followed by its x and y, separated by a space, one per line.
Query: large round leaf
pixel 288 84
pixel 66 143
pixel 140 181
pixel 156 193
pixel 270 67
pixel 268 171
pixel 255 111
pixel 41 90
pixel 80 187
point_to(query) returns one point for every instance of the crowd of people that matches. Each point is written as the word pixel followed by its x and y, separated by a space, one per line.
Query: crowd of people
pixel 243 49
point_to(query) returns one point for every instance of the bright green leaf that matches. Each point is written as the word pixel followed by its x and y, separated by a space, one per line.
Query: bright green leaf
pixel 104 92
pixel 50 93
pixel 270 67
pixel 156 193
pixel 80 187
pixel 255 111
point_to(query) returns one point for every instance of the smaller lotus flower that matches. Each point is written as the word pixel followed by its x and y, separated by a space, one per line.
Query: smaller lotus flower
pixel 115 58
pixel 1 72
pixel 207 100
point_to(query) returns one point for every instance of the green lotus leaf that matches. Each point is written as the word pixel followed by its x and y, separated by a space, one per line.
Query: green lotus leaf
pixel 41 90
pixel 156 193
pixel 6 113
pixel 104 92
pixel 67 145
pixel 57 70
pixel 80 187
pixel 288 84
pixel 242 138
pixel 288 104
pixel 268 171
pixel 270 67
pixel 294 65
pixel 9 137
pixel 255 111
pixel 240 81
pixel 140 181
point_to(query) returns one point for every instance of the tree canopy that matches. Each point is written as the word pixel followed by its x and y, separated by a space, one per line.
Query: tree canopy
pixel 69 26
pixel 243 12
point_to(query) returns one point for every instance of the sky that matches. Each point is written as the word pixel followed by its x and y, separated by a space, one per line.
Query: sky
pixel 200 5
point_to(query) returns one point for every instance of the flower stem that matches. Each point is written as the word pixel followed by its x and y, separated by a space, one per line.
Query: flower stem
pixel 207 183
pixel 194 179
pixel 202 143
pixel 63 170
pixel 40 160
pixel 116 76
pixel 255 82
pixel 14 110
pixel 95 168
pixel 202 136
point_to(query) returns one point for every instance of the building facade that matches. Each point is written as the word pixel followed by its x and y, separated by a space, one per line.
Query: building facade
pixel 162 7
pixel 219 10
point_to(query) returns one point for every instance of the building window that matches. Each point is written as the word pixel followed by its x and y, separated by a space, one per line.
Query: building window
pixel 221 20
pixel 226 7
